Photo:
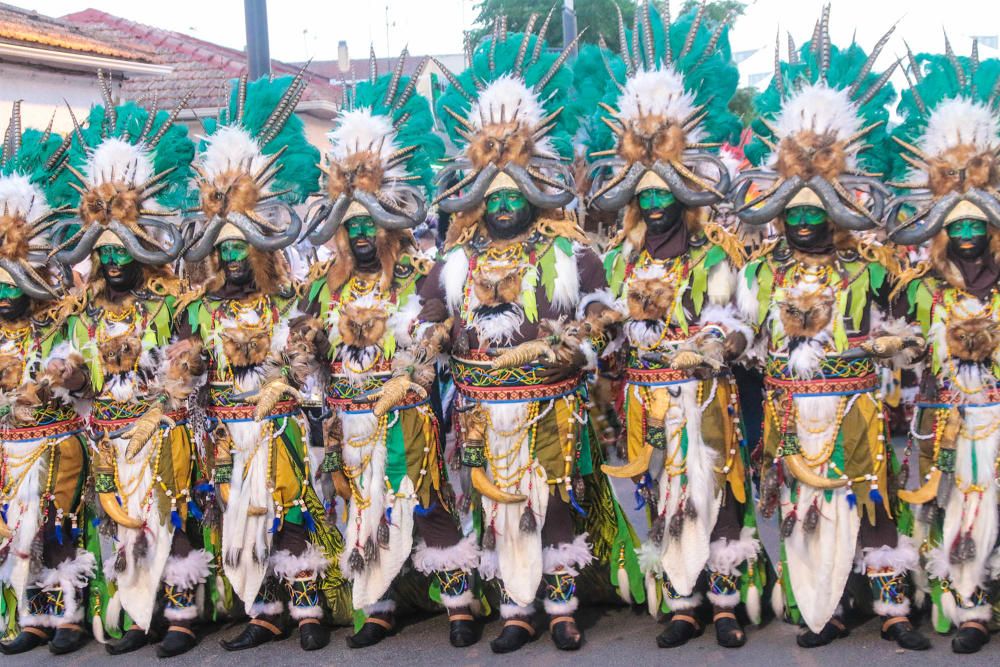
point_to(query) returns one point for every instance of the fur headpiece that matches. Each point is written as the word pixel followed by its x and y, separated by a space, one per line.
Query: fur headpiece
pixel 821 116
pixel 679 79
pixel 505 112
pixel 381 149
pixel 252 165
pixel 948 144
pixel 133 165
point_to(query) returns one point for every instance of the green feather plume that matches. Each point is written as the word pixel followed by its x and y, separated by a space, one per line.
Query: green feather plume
pixel 30 161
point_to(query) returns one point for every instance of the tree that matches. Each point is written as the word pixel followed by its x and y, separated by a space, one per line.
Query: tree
pixel 716 10
pixel 598 16
pixel 742 104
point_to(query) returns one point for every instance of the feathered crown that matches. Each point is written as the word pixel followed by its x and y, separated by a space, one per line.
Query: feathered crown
pixel 380 155
pixel 133 165
pixel 949 141
pixel 672 102
pixel 26 213
pixel 821 129
pixel 253 164
pixel 505 112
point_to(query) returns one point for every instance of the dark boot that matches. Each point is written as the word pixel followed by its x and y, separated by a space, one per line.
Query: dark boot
pixel 28 639
pixel 728 633
pixel 255 633
pixel 67 638
pixel 971 637
pixel 313 635
pixel 565 635
pixel 899 629
pixel 680 630
pixel 834 629
pixel 376 628
pixel 462 629
pixel 454 585
pixel 516 633
pixel 133 640
pixel 179 639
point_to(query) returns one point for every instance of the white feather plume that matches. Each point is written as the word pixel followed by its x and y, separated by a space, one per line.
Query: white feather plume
pixel 658 92
pixel 820 109
pixel 229 147
pixel 509 94
pixel 960 121
pixel 19 197
pixel 117 160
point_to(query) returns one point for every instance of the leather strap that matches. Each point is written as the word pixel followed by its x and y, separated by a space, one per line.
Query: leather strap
pixel 723 614
pixel 264 624
pixel 379 621
pixel 38 632
pixel 308 621
pixel 70 626
pixel 461 617
pixel 687 619
pixel 889 622
pixel 516 622
pixel 556 620
pixel 977 625
pixel 181 628
pixel 837 623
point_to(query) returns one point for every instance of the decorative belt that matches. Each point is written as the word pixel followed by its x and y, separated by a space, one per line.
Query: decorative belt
pixel 340 388
pixel 949 397
pixel 111 415
pixel 656 375
pixel 242 412
pixel 40 431
pixel 852 385
pixel 475 380
pixel 830 368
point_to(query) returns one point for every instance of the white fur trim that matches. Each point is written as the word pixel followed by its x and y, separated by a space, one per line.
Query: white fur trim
pixel 266 608
pixel 725 601
pixel 778 600
pixel 602 296
pixel 508 610
pixel 70 577
pixel 683 604
pixel 982 613
pixel 566 291
pixel 462 556
pixel 287 566
pixel 381 607
pixel 890 609
pixel 454 273
pixel 890 560
pixel 489 565
pixel 649 558
pixel 189 571
pixel 553 608
pixel 299 613
pixel 457 601
pixel 567 557
pixel 726 556
pixel 182 614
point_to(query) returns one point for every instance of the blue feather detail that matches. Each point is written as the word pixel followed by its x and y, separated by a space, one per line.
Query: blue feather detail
pixel 193 509
pixel 276 525
pixel 95 522
pixel 76 533
pixel 875 496
pixel 576 505
pixel 175 519
pixel 852 500
pixel 308 520
pixel 59 537
pixel 420 510
pixel 388 515
pixel 640 502
pixel 204 487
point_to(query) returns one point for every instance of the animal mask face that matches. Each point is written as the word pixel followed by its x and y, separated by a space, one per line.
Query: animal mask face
pixel 362 326
pixel 974 339
pixel 244 348
pixel 650 299
pixel 806 315
pixel 230 191
pixel 960 168
pixel 494 287
pixel 120 354
pixel 113 200
pixel 10 372
pixel 806 154
pixel 650 138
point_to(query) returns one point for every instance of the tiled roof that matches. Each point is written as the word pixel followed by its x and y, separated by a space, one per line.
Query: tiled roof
pixel 29 28
pixel 199 66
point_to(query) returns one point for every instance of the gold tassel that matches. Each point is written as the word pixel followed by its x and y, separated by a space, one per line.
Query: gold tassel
pixel 727 241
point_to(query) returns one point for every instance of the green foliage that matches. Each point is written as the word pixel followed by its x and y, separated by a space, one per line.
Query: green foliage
pixel 716 10
pixel 596 16
pixel 742 105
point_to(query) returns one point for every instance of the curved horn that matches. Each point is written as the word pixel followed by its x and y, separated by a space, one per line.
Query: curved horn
pixel 263 242
pixel 987 202
pixel 83 247
pixel 774 204
pixel 483 484
pixel 534 194
pixel 923 224
pixel 801 471
pixel 875 189
pixel 474 195
pixel 139 251
pixel 620 194
pixel 33 288
pixel 723 183
pixel 382 217
pixel 116 512
pixel 839 210
pixel 679 187
pixel 321 229
pixel 634 468
pixel 202 248
pixel 926 492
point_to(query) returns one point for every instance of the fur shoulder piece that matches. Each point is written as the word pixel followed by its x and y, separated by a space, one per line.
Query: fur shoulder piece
pixel 727 241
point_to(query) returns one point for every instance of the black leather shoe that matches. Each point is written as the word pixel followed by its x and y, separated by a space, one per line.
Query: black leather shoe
pixel 253 635
pixel 834 629
pixel 565 635
pixel 67 639
pixel 375 629
pixel 313 636
pixel 728 633
pixel 512 637
pixel 680 630
pixel 905 635
pixel 24 642
pixel 178 640
pixel 462 631
pixel 970 638
pixel 133 640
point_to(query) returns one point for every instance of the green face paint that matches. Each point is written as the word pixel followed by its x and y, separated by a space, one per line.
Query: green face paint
pixel 10 292
pixel 359 226
pixel 114 254
pixel 805 215
pixel 511 200
pixel 966 229
pixel 654 198
pixel 233 250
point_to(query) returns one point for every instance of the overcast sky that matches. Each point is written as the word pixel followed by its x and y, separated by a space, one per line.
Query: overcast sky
pixel 301 29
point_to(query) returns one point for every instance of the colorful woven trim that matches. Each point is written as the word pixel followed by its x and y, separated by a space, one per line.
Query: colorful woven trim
pixel 824 385
pixel 39 432
pixel 111 415
pixel 523 393
pixel 656 376
pixel 830 368
pixel 339 387
pixel 246 411
pixel 949 397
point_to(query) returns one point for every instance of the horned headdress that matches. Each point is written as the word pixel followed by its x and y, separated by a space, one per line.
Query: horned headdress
pixel 252 165
pixel 132 165
pixel 820 134
pixel 663 116
pixel 30 185
pixel 381 149
pixel 505 114
pixel 949 144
